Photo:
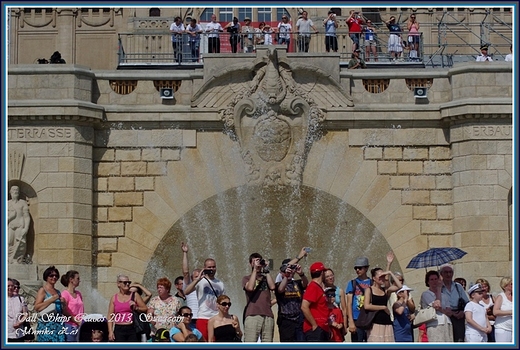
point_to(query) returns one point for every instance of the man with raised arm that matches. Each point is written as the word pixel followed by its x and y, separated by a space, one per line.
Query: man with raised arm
pixel 208 289
pixel 258 316
pixel 191 299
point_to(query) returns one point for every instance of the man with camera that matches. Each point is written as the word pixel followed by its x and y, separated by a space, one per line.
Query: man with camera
pixel 354 23
pixel 208 289
pixel 289 293
pixel 258 316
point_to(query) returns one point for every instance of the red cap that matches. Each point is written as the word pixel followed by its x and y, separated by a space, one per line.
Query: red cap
pixel 317 266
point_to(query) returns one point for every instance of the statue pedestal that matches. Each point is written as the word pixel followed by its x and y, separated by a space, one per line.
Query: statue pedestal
pixel 23 272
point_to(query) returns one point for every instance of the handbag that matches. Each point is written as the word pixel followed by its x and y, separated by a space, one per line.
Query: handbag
pixel 141 327
pixel 26 325
pixel 461 303
pixel 365 319
pixel 424 316
pixel 50 309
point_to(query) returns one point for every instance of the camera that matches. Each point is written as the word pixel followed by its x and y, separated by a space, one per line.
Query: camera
pixel 308 250
pixel 292 267
pixel 262 262
pixel 208 272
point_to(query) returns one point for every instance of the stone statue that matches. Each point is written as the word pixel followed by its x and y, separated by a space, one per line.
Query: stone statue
pixel 19 221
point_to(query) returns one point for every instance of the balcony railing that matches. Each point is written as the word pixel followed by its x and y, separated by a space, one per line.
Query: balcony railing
pixel 156 49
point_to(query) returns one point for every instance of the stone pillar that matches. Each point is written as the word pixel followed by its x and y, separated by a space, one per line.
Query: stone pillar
pixel 56 147
pixel 482 169
pixel 66 40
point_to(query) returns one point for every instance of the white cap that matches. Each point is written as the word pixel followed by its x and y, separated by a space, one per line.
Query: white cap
pixel 403 288
pixel 475 288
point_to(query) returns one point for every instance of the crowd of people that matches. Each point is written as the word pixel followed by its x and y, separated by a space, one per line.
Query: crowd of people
pixel 311 308
pixel 362 32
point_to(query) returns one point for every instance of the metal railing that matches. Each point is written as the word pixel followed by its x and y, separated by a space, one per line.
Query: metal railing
pixel 157 47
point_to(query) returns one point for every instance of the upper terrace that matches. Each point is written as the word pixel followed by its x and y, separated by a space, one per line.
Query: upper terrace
pixel 448 35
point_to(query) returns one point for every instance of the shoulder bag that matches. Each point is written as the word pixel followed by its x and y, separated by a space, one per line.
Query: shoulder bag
pixel 26 325
pixel 365 318
pixel 424 316
pixel 461 303
pixel 51 308
pixel 141 327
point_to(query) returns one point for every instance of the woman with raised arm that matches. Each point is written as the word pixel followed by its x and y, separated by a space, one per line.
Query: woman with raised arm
pixel 376 299
pixel 413 37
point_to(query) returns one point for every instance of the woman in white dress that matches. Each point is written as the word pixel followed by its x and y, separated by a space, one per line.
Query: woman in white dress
pixel 503 311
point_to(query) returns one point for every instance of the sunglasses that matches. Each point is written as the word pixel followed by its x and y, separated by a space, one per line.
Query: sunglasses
pixel 359 267
pixel 226 304
pixel 127 283
pixel 187 315
pixel 331 295
pixel 53 275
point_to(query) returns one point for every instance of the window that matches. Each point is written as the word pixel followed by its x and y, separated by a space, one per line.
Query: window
pixel 376 86
pixel 154 12
pixel 244 12
pixel 280 12
pixel 123 87
pixel 172 84
pixel 225 14
pixel 264 14
pixel 206 14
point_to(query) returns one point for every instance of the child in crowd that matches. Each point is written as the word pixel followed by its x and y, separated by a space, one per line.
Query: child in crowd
pixel 162 336
pixel 335 316
pixel 423 336
pixel 477 323
pixel 97 336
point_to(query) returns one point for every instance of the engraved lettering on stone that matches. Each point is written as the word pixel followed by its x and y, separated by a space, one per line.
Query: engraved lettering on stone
pixel 40 133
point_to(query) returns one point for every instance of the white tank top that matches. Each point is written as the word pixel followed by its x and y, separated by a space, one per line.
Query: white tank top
pixel 505 322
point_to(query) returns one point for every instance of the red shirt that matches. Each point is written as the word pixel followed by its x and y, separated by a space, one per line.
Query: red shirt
pixel 315 295
pixel 354 25
pixel 335 315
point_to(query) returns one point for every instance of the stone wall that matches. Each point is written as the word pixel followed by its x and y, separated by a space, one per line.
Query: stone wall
pixel 115 175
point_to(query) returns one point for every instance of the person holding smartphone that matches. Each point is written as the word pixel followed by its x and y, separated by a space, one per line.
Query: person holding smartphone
pixel 208 289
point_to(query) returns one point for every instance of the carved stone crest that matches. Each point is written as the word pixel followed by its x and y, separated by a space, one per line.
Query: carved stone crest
pixel 272 113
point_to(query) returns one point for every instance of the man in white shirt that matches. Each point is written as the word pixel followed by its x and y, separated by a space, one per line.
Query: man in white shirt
pixel 509 57
pixel 208 288
pixel 176 30
pixel 214 29
pixel 484 54
pixel 304 26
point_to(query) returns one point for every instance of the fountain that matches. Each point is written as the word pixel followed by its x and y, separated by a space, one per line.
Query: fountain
pixel 274 123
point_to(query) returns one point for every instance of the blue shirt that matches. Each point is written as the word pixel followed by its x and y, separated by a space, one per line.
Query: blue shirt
pixel 176 330
pixel 358 297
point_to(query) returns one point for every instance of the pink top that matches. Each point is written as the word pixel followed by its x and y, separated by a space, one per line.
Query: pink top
pixel 75 305
pixel 413 30
pixel 122 311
